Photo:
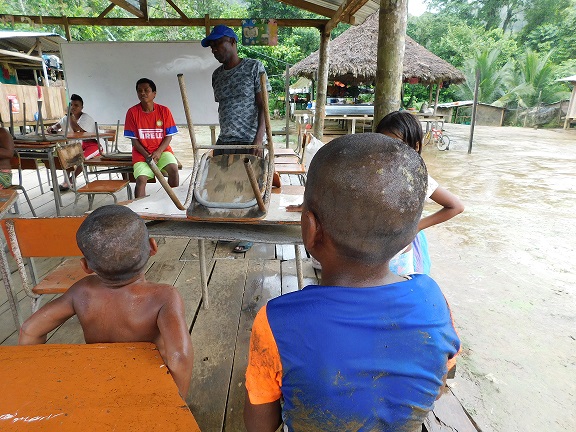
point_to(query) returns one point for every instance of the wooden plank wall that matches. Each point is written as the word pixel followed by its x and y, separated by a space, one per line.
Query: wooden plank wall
pixel 54 104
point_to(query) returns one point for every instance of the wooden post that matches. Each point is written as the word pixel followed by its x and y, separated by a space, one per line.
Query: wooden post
pixel 44 70
pixel 474 106
pixel 570 107
pixel 287 105
pixel 67 29
pixel 207 24
pixel 437 96
pixel 322 88
pixel 390 57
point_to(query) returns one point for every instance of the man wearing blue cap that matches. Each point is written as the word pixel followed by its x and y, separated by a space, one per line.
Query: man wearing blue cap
pixel 236 86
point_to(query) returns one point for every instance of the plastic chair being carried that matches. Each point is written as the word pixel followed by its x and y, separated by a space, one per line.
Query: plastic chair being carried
pixel 227 187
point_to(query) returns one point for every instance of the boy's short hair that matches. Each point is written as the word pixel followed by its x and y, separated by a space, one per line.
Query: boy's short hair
pixel 75 97
pixel 115 243
pixel 405 125
pixel 367 191
pixel 146 81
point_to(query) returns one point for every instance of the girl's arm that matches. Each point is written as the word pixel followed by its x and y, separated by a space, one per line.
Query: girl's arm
pixel 451 206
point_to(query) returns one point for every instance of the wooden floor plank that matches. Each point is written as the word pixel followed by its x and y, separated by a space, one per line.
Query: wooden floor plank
pixel 262 284
pixel 188 284
pixel 448 415
pixel 191 251
pixel 289 278
pixel 214 336
pixel 261 251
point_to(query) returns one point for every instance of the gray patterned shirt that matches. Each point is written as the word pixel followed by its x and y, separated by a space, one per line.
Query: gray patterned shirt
pixel 235 91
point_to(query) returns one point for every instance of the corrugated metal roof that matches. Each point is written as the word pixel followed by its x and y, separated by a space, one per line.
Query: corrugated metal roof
pixel 24 41
pixel 365 11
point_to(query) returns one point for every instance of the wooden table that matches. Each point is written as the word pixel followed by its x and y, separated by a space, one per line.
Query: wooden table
pixel 95 387
pixel 35 147
pixel 7 199
pixel 278 227
pixel 429 119
pixel 352 118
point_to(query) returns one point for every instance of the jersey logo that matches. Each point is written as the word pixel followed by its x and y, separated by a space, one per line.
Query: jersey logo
pixel 150 133
pixel 159 123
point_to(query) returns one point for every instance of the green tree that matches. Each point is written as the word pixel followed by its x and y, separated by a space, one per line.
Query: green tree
pixel 490 14
pixel 492 76
pixel 532 81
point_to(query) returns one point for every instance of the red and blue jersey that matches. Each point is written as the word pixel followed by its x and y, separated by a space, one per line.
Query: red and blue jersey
pixel 149 128
pixel 359 359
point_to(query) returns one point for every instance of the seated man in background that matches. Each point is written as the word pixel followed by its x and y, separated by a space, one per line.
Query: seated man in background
pixel 79 122
pixel 367 349
pixel 117 304
pixel 150 126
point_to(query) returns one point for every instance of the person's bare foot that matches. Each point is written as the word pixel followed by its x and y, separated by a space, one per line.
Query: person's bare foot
pixel 294 208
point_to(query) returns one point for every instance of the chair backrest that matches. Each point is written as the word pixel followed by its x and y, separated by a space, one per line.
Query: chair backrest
pixel 70 154
pixel 43 237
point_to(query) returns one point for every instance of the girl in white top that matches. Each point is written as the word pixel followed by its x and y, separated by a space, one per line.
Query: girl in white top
pixel 405 127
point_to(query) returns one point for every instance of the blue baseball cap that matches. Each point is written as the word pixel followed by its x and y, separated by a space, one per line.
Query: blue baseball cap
pixel 218 32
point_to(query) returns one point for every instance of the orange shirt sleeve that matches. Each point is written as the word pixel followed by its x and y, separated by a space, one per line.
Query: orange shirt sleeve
pixel 452 361
pixel 264 372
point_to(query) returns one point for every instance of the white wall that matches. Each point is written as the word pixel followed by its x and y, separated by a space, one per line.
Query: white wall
pixel 104 74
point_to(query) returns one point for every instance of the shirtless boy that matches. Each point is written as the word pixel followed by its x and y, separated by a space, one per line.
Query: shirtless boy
pixel 117 304
pixel 366 349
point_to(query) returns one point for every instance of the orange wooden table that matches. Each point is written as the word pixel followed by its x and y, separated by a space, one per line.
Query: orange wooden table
pixel 94 387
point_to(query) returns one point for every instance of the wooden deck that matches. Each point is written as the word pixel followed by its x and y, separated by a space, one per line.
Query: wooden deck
pixel 239 284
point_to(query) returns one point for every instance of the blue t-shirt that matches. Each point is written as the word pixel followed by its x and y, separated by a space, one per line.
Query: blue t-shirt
pixel 361 359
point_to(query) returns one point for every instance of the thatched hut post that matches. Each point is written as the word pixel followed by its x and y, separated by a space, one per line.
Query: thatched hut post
pixel 390 57
pixel 322 92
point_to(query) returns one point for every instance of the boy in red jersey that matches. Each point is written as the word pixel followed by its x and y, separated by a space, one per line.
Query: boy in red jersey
pixel 150 126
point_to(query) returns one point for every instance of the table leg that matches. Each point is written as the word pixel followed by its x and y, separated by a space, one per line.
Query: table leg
pixel 203 277
pixel 299 273
pixel 55 185
pixel 353 126
pixel 6 277
pixel 213 135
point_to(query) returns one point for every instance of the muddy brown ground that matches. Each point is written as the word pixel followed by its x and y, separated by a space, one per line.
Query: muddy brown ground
pixel 506 266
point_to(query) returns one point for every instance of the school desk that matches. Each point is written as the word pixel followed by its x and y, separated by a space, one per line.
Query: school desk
pixel 93 387
pixel 35 147
pixel 277 227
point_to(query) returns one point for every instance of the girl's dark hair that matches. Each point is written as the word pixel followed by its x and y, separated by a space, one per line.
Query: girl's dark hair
pixel 405 126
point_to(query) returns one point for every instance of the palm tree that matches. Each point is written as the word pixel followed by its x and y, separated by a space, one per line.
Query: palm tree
pixel 492 76
pixel 532 81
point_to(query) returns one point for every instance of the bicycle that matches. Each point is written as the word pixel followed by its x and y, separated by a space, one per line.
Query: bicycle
pixel 437 136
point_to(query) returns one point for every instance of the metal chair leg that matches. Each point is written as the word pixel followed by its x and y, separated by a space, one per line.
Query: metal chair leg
pixel 29 202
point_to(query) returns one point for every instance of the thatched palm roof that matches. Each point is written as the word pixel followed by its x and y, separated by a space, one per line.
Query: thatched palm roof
pixel 353 59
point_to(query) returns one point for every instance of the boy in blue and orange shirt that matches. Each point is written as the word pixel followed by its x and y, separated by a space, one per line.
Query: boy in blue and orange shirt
pixel 150 126
pixel 367 350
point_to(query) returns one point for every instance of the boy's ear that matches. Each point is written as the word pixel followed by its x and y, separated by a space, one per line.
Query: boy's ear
pixel 153 247
pixel 85 267
pixel 312 233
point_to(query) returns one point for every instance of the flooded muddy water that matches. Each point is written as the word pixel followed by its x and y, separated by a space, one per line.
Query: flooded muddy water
pixel 506 266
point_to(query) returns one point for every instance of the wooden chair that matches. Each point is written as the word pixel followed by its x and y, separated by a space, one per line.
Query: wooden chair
pixel 30 238
pixel 292 166
pixel 71 156
pixel 16 163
